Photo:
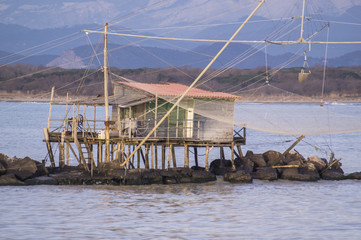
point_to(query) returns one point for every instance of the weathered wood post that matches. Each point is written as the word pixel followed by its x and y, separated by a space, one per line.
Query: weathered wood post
pixel 196 156
pixel 207 158
pixel 173 156
pixel 163 156
pixel 232 156
pixel 186 156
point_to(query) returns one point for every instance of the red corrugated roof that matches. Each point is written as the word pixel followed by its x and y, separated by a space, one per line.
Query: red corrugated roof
pixel 176 89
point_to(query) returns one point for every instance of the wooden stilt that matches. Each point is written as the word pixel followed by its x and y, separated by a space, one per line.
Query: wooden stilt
pixel 67 153
pixel 147 156
pixel 152 155
pixel 173 156
pixel 100 152
pixel 163 156
pixel 240 154
pixel 207 158
pixel 221 153
pixel 232 157
pixel 62 151
pixel 138 158
pixel 122 152
pixel 186 156
pixel 129 151
pixel 196 156
pixel 169 157
pixel 156 156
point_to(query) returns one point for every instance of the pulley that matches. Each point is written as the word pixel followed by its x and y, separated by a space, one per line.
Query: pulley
pixel 303 75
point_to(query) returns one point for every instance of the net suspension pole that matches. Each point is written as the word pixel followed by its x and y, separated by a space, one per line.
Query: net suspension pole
pixel 106 101
pixel 302 21
pixel 192 85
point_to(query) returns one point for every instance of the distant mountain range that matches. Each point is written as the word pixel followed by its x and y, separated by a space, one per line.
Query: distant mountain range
pixel 123 56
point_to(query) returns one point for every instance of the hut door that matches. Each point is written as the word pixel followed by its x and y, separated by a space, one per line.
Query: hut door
pixel 189 122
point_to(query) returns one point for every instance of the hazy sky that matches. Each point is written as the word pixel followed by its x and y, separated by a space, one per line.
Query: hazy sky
pixel 50 13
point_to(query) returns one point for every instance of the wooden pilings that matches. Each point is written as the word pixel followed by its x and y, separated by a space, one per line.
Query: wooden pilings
pixel 89 152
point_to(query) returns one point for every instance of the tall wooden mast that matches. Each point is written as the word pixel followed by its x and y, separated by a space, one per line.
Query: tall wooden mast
pixel 106 101
pixel 302 40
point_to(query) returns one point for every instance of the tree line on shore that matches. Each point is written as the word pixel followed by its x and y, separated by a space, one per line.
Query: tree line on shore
pixel 28 79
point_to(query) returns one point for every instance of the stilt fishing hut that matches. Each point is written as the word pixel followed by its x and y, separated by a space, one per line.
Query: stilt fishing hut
pixel 135 109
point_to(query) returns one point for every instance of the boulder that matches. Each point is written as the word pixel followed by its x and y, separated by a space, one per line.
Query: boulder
pixel 238 177
pixel 355 175
pixel 10 179
pixel 273 158
pixel 293 156
pixel 306 172
pixel 309 170
pixel 319 163
pixel 23 168
pixel 245 164
pixel 258 160
pixel 219 167
pixel 202 176
pixel 265 173
pixel 331 174
pixel 43 180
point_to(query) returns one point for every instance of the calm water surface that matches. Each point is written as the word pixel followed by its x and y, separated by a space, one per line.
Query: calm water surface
pixel 218 210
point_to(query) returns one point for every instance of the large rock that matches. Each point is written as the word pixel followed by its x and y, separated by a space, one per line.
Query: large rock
pixel 319 163
pixel 219 167
pixel 306 172
pixel 293 156
pixel 10 179
pixel 355 175
pixel 309 170
pixel 273 158
pixel 23 168
pixel 238 177
pixel 265 173
pixel 202 176
pixel 258 160
pixel 331 174
pixel 244 164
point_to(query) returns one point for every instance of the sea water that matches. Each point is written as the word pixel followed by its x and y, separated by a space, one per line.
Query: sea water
pixel 217 210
